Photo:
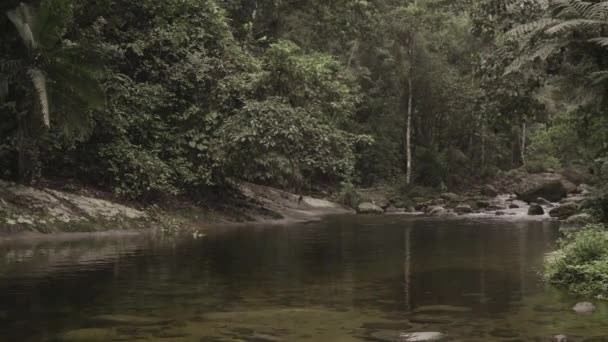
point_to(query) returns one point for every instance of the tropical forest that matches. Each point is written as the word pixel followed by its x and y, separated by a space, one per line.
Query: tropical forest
pixel 303 170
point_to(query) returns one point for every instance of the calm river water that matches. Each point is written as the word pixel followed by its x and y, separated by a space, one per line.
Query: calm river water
pixel 348 278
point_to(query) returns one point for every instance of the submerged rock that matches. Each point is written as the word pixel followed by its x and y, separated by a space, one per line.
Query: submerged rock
pixel 422 336
pixel 536 210
pixel 584 308
pixel 369 208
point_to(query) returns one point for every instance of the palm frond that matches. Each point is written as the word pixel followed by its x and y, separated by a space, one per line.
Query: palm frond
pixel 598 77
pixel 601 41
pixel 541 52
pixel 39 81
pixel 51 19
pixel 535 26
pixel 574 24
pixel 22 19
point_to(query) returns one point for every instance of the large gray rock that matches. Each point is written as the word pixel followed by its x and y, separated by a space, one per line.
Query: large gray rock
pixel 489 190
pixel 450 197
pixel 436 211
pixel 542 201
pixel 553 190
pixel 395 210
pixel 564 211
pixel 576 176
pixel 463 209
pixel 367 208
pixel 536 210
pixel 422 336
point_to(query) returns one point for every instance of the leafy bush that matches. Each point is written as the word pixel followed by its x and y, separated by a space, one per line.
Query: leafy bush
pixel 581 262
pixel 348 195
pixel 542 163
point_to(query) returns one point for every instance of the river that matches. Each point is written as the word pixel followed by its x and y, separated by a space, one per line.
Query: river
pixel 347 278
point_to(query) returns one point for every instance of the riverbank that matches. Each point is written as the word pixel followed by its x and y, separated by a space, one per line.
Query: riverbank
pixel 56 209
pixel 47 210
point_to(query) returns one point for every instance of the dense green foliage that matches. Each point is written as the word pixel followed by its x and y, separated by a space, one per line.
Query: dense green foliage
pixel 151 98
pixel 581 263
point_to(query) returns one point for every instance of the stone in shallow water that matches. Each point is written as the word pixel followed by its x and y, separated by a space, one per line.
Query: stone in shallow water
pixel 560 338
pixel 422 336
pixel 584 308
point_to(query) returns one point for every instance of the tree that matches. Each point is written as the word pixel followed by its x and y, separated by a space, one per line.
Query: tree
pixel 49 75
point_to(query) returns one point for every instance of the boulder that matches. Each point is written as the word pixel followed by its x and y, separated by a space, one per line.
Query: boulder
pixel 536 210
pixel 542 201
pixel 422 336
pixel 575 176
pixel 496 207
pixel 436 211
pixel 450 197
pixel 564 211
pixel 482 204
pixel 513 206
pixel 489 190
pixel 569 186
pixel 500 213
pixel 584 308
pixel 581 219
pixel 552 190
pixel 463 209
pixel 394 210
pixel 367 208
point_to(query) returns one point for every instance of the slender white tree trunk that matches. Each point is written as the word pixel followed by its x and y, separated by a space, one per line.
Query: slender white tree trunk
pixel 523 143
pixel 410 100
pixel 483 145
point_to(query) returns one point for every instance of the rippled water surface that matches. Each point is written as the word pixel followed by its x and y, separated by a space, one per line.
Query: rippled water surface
pixel 344 279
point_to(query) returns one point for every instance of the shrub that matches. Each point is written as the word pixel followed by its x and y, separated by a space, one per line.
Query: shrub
pixel 348 195
pixel 542 163
pixel 581 262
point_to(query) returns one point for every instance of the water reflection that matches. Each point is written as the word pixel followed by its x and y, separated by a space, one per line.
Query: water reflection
pixel 343 279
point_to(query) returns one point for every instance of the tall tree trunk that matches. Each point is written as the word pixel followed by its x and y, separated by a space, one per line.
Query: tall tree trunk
pixel 410 100
pixel 483 146
pixel 523 143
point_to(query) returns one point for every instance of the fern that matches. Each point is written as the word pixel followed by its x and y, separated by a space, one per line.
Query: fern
pixel 39 81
